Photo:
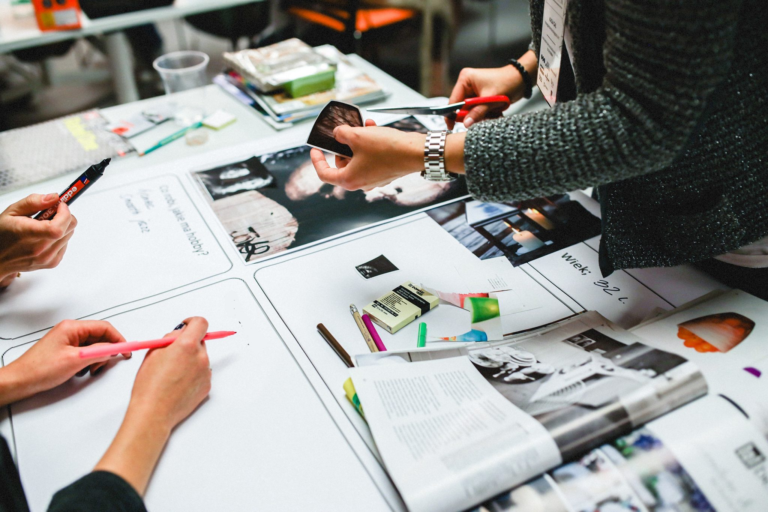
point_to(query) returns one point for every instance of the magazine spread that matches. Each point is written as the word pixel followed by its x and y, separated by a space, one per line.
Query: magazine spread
pixel 705 456
pixel 499 413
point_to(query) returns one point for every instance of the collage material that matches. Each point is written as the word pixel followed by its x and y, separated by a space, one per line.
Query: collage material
pixel 281 204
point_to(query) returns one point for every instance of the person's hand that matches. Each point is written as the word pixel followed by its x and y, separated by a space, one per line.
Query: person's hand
pixel 173 380
pixel 380 155
pixel 55 358
pixel 473 83
pixel 171 383
pixel 27 244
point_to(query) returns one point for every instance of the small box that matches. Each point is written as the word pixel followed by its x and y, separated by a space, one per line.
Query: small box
pixel 400 307
pixel 57 14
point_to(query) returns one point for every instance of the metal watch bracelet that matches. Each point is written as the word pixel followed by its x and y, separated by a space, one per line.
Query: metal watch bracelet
pixel 434 158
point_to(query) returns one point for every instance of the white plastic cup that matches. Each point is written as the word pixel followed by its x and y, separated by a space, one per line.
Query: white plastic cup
pixel 182 71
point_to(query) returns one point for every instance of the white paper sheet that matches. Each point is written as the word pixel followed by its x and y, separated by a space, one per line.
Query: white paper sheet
pixel 448 439
pixel 261 441
pixel 131 242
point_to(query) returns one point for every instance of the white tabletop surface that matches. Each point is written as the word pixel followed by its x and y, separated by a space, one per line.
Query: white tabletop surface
pixel 16 34
pixel 248 127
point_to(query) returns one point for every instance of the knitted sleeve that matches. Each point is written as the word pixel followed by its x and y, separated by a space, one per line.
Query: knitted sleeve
pixel 663 59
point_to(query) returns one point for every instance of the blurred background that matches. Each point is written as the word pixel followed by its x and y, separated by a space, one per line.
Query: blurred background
pixel 46 81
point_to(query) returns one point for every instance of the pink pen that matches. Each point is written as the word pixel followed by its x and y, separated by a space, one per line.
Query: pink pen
pixel 374 334
pixel 129 346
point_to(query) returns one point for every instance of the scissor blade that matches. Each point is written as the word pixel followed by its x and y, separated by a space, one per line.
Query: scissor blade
pixel 427 111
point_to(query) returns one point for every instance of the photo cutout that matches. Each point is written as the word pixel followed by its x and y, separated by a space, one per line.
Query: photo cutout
pixel 334 114
pixel 715 333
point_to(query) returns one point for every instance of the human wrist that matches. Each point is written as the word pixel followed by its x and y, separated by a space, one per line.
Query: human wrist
pixel 16 384
pixel 415 152
pixel 149 416
pixel 454 152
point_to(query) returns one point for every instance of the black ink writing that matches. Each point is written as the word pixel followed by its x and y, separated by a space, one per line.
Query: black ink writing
pixel 248 244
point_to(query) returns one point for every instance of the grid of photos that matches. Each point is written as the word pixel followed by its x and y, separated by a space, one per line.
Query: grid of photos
pixel 522 231
pixel 274 202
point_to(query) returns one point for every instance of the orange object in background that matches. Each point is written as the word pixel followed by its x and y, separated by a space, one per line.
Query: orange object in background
pixel 57 14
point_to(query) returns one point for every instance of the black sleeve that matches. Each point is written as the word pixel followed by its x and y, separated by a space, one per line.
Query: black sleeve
pixel 12 497
pixel 100 491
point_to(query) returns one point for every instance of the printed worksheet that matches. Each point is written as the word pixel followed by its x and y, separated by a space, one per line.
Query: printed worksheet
pixel 261 433
pixel 131 242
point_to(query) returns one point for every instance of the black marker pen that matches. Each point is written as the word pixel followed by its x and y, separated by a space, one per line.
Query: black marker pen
pixel 77 187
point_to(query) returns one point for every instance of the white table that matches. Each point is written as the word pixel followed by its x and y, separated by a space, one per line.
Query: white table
pixel 342 473
pixel 17 34
pixel 248 127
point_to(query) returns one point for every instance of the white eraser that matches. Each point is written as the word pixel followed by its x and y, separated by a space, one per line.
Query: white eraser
pixel 219 119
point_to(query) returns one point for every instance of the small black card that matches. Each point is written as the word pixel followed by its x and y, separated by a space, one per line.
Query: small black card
pixel 376 267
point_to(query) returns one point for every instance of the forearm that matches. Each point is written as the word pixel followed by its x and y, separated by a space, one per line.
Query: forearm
pixel 136 449
pixel 636 123
pixel 14 385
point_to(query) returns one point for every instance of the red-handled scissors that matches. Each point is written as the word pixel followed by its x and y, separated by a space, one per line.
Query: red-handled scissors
pixel 449 111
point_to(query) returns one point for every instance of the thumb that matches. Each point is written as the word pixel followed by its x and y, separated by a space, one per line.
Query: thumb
pixel 343 134
pixel 32 204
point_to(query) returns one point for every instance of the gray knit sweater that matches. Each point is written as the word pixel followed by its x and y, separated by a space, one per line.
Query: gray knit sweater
pixel 670 122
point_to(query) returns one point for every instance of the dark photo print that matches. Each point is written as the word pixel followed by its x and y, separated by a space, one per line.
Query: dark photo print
pixel 520 232
pixel 297 208
pixel 334 114
pixel 235 178
pixel 376 267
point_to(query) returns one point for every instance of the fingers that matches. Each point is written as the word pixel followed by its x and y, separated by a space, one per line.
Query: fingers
pixel 193 333
pixel 342 161
pixel 64 221
pixel 475 114
pixel 370 122
pixel 344 134
pixel 464 88
pixel 324 171
pixel 32 204
pixel 52 256
pixel 89 332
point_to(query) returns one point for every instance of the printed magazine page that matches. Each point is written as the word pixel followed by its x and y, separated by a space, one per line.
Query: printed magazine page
pixel 726 338
pixel 583 384
pixel 703 457
pixel 447 438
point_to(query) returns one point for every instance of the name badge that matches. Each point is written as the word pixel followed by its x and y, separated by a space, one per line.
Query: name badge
pixel 551 48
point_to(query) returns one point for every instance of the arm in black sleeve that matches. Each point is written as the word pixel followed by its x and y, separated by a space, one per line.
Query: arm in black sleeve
pixel 663 59
pixel 100 491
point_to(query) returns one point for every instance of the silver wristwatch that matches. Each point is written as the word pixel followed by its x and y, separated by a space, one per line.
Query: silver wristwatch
pixel 434 158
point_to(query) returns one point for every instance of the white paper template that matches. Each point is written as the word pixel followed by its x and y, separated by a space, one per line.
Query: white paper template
pixel 131 242
pixel 261 441
pixel 623 298
pixel 318 287
pixel 450 439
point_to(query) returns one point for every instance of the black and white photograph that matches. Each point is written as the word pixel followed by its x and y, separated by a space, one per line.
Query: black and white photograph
pixel 334 114
pixel 520 232
pixel 376 267
pixel 588 375
pixel 279 203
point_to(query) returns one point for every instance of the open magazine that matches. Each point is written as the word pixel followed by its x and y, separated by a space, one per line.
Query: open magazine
pixel 466 424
